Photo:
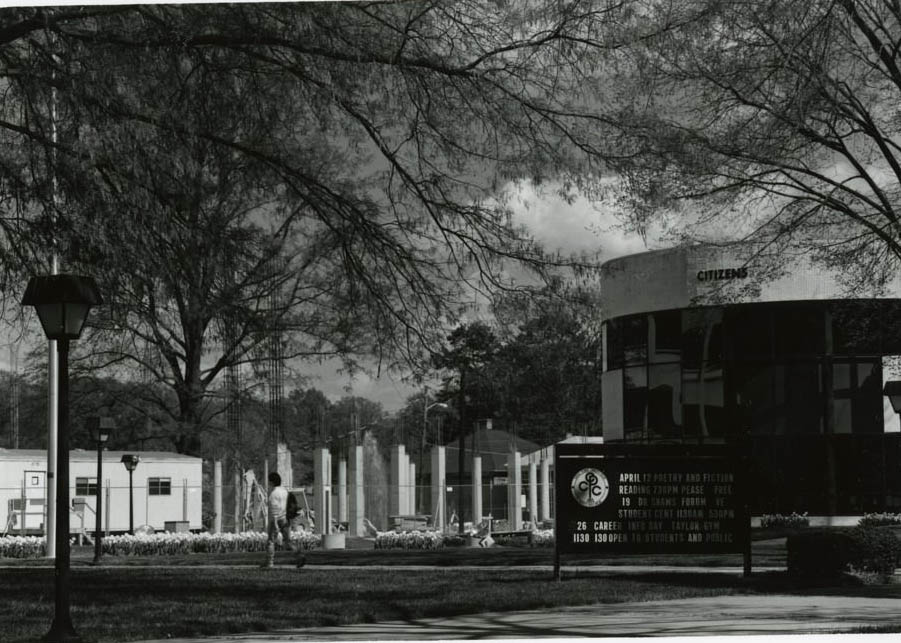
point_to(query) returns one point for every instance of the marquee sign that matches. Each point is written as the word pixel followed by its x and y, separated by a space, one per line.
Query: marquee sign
pixel 627 498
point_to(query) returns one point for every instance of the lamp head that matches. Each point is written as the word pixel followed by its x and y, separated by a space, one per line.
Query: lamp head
pixel 101 428
pixel 130 461
pixel 62 303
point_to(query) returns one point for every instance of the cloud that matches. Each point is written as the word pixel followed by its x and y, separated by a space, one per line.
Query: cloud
pixel 571 226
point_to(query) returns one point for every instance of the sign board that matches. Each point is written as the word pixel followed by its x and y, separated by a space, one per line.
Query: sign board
pixel 638 498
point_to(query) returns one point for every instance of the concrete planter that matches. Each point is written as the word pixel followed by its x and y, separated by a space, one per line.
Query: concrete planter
pixel 333 541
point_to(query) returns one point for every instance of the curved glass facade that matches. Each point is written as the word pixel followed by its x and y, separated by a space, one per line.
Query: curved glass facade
pixel 799 382
pixel 795 368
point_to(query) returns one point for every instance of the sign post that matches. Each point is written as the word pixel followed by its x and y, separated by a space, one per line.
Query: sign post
pixel 639 498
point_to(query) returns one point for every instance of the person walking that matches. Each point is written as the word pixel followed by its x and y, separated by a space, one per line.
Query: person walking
pixel 277 522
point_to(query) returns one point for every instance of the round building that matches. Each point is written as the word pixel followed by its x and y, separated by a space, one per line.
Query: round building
pixel 712 345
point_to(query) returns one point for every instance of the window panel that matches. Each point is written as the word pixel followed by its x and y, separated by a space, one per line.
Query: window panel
pixel 665 401
pixel 85 486
pixel 635 340
pixel 799 331
pixel 667 334
pixel 635 399
pixel 159 486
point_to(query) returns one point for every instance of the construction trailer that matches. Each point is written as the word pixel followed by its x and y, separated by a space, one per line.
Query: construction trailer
pixel 166 491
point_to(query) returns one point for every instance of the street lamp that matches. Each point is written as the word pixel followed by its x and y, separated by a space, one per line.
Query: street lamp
pixel 101 428
pixel 131 463
pixel 62 303
pixel 426 407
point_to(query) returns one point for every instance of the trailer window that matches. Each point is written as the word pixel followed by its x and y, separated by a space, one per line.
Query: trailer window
pixel 85 486
pixel 160 486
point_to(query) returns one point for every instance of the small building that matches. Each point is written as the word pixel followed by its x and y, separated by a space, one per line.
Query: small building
pixel 166 488
pixel 494 447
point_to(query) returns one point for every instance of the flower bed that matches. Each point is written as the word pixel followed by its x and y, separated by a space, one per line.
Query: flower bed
pixel 163 544
pixel 409 540
pixel 792 521
pixel 22 547
pixel 879 520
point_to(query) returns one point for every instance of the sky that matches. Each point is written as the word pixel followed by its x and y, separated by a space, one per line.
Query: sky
pixel 566 227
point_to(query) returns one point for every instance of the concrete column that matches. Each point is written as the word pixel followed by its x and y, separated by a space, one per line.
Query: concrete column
pixel 321 480
pixel 533 493
pixel 476 490
pixel 239 494
pixel 217 496
pixel 357 499
pixel 514 489
pixel 342 489
pixel 545 488
pixel 397 480
pixel 439 487
pixel 411 489
pixel 403 491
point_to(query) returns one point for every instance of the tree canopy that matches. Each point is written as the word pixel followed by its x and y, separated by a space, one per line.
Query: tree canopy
pixel 774 121
pixel 328 174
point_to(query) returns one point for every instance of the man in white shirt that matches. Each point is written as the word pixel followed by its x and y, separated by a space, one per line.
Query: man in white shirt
pixel 278 520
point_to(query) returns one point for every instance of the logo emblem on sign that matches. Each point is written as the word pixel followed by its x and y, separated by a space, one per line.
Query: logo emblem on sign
pixel 590 487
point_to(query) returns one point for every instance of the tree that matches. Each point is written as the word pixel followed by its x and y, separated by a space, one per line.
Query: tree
pixel 352 155
pixel 771 121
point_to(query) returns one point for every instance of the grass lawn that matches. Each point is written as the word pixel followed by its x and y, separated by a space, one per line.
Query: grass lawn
pixel 136 598
pixel 129 603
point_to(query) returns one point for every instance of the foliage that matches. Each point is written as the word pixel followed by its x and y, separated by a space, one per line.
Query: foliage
pixel 791 521
pixel 409 540
pixel 22 547
pixel 163 544
pixel 320 178
pixel 540 538
pixel 819 552
pixel 536 372
pixel 773 121
pixel 876 551
pixel 879 519
pixel 832 552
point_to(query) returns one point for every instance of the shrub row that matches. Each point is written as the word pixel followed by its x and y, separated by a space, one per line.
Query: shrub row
pixel 792 521
pixel 162 544
pixel 828 553
pixel 879 519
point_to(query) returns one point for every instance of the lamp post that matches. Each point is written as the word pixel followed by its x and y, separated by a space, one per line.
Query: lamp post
pixel 62 303
pixel 426 407
pixel 101 428
pixel 131 463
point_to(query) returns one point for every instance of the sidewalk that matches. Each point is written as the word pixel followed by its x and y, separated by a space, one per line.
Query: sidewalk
pixel 706 616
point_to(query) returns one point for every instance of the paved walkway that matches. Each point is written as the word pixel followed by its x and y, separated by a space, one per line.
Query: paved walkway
pixel 706 616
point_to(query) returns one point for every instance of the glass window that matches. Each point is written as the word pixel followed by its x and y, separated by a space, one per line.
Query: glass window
pixel 159 486
pixel 85 486
pixel 665 401
pixel 867 407
pixel 666 329
pixel 614 346
pixel 635 401
pixel 804 400
pixel 856 327
pixel 635 339
pixel 751 334
pixel 799 330
pixel 857 396
pixel 702 337
pixel 760 398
